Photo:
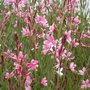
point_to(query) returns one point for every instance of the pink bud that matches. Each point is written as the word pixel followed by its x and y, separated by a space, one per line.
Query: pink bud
pixel 44 81
pixel 72 66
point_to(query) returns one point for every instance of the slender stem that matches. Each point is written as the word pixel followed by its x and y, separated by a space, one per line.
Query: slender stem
pixel 10 84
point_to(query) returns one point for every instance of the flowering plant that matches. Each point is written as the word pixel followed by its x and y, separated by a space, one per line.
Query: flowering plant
pixel 44 45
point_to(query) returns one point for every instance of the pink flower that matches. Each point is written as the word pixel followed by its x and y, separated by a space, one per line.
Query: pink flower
pixel 50 2
pixel 85 84
pixel 71 5
pixel 28 87
pixel 33 65
pixel 49 44
pixel 72 66
pixel 41 20
pixel 10 55
pixel 83 36
pixel 16 23
pixel 42 35
pixel 69 56
pixel 44 81
pixel 18 57
pixel 9 75
pixel 20 13
pixel 11 1
pixel 60 20
pixel 76 21
pixel 27 19
pixel 28 80
pixel 75 31
pixel 72 1
pixel 88 33
pixel 14 1
pixel 74 43
pixel 26 32
pixel 82 72
pixel 60 52
pixel 41 5
pixel 18 68
pixel 23 1
pixel 52 28
pixel 68 34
